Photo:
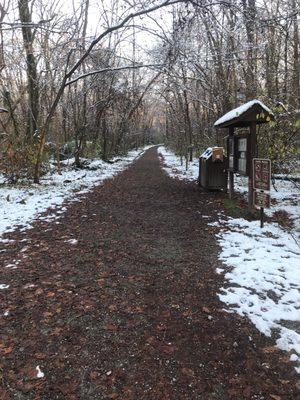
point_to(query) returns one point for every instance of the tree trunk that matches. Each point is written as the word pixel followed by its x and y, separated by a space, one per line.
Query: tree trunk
pixel 296 64
pixel 2 15
pixel 249 8
pixel 31 65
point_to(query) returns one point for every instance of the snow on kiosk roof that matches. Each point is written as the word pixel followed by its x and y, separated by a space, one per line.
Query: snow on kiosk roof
pixel 253 111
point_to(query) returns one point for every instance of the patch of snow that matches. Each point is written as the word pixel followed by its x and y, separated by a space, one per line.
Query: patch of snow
pixel 294 357
pixel 172 166
pixel 39 374
pixel 21 205
pixel 2 286
pixel 12 266
pixel 29 286
pixel 216 223
pixel 286 195
pixel 6 241
pixel 72 241
pixel 236 112
pixel 263 278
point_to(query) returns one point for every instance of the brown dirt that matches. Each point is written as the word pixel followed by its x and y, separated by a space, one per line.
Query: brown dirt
pixel 130 311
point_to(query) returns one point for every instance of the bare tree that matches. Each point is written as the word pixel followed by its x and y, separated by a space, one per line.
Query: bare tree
pixel 31 66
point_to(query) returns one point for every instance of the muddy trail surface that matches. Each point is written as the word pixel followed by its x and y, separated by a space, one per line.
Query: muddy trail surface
pixel 117 299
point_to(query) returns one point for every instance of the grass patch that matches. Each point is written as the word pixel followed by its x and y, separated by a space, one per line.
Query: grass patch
pixel 236 208
pixel 233 209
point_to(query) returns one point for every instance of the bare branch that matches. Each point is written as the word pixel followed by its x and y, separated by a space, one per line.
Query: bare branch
pixel 100 71
pixel 116 27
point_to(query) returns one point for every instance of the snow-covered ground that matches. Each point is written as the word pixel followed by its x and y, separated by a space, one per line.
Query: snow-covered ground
pixel 174 168
pixel 286 197
pixel 261 266
pixel 21 205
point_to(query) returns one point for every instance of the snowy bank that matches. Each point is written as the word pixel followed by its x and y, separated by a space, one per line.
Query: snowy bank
pixel 173 167
pixel 286 197
pixel 263 279
pixel 261 267
pixel 21 205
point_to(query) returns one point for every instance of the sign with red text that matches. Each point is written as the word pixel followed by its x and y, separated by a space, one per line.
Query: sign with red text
pixel 261 173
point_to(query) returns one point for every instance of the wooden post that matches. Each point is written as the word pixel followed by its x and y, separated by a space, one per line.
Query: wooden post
pixel 261 217
pixel 191 153
pixel 252 153
pixel 231 173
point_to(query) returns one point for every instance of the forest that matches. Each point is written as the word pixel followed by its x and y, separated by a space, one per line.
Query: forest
pixel 98 79
pixel 149 199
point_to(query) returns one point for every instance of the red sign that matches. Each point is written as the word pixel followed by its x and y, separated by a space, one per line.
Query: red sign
pixel 261 199
pixel 261 173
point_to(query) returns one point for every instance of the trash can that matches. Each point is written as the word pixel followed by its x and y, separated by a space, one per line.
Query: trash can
pixel 213 169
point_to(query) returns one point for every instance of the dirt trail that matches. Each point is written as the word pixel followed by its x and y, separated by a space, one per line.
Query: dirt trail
pixel 130 311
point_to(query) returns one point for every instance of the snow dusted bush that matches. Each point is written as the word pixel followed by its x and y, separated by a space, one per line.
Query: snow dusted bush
pixel 17 157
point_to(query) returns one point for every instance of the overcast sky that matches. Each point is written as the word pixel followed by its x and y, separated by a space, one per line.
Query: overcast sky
pixel 146 31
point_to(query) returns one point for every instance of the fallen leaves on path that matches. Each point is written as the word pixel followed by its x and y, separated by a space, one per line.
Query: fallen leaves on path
pixel 131 311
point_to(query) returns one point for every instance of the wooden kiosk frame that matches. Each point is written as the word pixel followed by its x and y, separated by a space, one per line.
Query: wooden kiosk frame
pixel 249 115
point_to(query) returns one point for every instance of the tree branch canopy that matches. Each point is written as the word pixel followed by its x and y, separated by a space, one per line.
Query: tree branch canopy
pixel 112 69
pixel 69 74
pixel 115 28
